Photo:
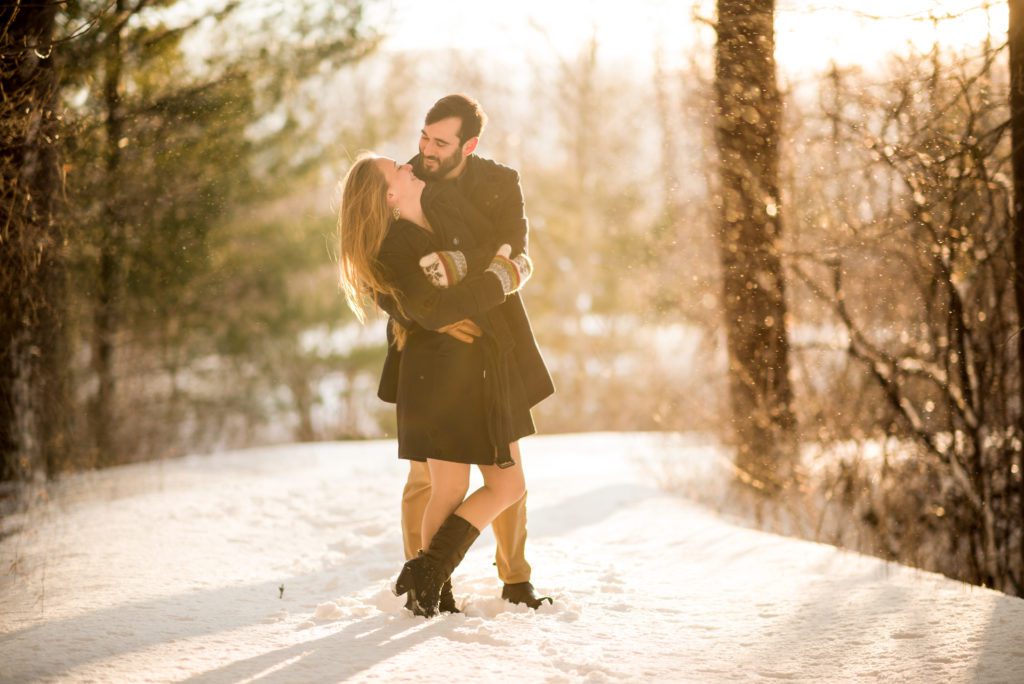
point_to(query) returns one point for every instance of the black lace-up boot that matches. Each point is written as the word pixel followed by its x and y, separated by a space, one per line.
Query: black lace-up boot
pixel 446 604
pixel 423 577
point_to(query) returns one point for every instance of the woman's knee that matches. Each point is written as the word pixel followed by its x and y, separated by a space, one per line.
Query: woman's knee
pixel 450 497
pixel 516 492
pixel 510 486
pixel 449 481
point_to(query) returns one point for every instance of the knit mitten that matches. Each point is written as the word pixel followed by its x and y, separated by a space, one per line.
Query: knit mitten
pixel 444 269
pixel 513 273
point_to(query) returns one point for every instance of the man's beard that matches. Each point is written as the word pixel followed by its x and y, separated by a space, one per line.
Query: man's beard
pixel 444 167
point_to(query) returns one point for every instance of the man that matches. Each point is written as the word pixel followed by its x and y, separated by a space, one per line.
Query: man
pixel 446 155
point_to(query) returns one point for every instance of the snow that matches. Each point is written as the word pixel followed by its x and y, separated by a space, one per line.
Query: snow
pixel 173 571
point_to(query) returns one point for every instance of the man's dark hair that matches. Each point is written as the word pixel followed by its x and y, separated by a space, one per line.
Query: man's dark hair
pixel 467 110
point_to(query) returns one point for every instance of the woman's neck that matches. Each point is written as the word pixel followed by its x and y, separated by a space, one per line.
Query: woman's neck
pixel 412 211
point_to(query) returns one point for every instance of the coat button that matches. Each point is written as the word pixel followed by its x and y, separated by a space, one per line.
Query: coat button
pixel 455 241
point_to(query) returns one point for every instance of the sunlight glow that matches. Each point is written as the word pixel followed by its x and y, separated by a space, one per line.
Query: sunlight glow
pixel 810 33
pixel 866 32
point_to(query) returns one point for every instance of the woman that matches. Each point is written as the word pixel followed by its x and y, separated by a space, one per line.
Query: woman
pixel 458 404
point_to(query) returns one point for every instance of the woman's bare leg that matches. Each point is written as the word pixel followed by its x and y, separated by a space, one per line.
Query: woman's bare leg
pixel 448 485
pixel 502 488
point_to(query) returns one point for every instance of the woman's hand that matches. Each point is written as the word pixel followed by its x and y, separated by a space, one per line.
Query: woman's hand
pixel 444 269
pixel 513 273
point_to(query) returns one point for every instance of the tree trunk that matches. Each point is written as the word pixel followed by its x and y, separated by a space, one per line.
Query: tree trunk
pixel 106 317
pixel 34 412
pixel 1016 39
pixel 666 118
pixel 749 232
pixel 302 394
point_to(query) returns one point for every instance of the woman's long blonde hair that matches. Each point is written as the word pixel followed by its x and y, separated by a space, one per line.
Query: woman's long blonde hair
pixel 363 220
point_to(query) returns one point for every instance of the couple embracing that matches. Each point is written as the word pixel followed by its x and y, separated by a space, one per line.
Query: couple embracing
pixel 440 245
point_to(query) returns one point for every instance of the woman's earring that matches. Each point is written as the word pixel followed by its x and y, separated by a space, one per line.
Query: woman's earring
pixel 396 213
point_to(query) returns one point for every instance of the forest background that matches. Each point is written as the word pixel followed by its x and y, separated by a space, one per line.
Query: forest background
pixel 169 260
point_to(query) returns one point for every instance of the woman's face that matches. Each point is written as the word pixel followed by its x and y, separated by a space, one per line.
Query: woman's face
pixel 402 183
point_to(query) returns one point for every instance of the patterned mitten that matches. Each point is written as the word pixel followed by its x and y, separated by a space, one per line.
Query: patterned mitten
pixel 444 269
pixel 513 273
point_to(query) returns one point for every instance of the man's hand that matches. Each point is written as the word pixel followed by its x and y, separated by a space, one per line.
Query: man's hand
pixel 464 330
pixel 513 273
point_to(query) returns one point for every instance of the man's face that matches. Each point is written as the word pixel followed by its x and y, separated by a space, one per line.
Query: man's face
pixel 440 152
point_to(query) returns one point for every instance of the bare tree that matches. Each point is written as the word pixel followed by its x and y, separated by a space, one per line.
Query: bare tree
pixel 920 279
pixel 1016 40
pixel 749 232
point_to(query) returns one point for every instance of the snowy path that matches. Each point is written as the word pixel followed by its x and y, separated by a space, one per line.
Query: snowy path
pixel 171 572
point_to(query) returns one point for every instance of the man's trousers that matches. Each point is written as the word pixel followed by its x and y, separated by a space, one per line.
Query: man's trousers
pixel 509 527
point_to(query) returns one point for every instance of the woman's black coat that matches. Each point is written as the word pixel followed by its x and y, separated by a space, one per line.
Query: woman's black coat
pixel 488 203
pixel 518 376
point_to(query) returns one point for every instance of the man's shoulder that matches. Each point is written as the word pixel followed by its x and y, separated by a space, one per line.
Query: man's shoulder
pixel 490 169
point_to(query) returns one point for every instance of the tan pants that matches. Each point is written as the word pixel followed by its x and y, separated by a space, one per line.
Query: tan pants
pixel 509 527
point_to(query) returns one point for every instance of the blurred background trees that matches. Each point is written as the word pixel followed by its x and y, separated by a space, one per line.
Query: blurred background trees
pixel 196 145
pixel 164 141
pixel 168 282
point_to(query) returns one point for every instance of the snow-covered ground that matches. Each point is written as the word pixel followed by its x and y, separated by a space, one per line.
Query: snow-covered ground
pixel 174 572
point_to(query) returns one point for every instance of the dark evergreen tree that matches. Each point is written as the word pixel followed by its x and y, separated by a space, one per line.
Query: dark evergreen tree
pixel 162 154
pixel 33 350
